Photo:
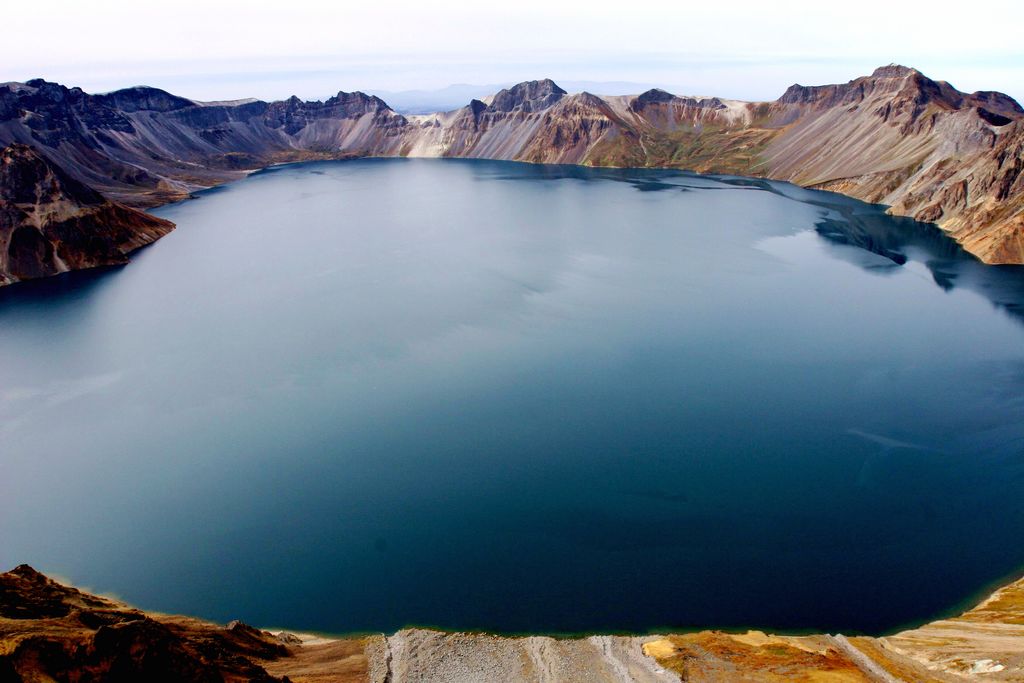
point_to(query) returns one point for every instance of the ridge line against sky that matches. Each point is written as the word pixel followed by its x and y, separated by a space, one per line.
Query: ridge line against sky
pixel 743 49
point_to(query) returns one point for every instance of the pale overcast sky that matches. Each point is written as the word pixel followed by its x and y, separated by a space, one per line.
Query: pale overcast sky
pixel 209 49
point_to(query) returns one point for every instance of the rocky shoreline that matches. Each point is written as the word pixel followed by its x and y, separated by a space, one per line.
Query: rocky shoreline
pixel 50 631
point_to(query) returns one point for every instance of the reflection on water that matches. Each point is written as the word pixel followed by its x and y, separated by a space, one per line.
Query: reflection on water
pixel 360 395
pixel 845 221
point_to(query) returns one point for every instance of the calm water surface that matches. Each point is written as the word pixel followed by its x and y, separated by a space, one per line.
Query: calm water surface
pixel 360 395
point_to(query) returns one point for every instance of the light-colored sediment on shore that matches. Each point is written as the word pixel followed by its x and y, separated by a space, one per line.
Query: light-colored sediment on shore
pixel 49 631
pixel 985 643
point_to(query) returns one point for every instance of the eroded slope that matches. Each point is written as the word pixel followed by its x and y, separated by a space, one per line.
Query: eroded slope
pixel 51 223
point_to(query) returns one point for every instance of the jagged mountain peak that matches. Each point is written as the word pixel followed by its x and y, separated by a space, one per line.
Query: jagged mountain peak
pixel 590 99
pixel 356 103
pixel 910 82
pixel 528 96
pixel 343 104
pixel 143 98
pixel 894 71
pixel 476 107
pixel 655 95
pixel 544 85
pixel 802 94
pixel 998 103
pixel 26 571
pixel 43 89
pixel 649 97
pixel 894 82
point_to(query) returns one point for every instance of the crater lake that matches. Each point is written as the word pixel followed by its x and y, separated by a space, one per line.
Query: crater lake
pixel 354 396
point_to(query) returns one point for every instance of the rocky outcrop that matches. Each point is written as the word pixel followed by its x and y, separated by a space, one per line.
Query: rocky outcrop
pixel 51 223
pixel 50 631
pixel 528 97
pixel 895 137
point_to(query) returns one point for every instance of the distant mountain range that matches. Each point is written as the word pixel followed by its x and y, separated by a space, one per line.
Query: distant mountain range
pixel 895 137
pixel 455 96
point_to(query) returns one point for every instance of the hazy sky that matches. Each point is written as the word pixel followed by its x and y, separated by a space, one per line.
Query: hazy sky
pixel 210 49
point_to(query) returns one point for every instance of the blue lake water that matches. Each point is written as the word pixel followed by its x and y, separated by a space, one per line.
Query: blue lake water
pixel 360 395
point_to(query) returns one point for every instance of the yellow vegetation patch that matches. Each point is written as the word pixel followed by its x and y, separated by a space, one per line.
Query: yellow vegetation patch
pixel 659 649
pixel 812 644
pixel 754 656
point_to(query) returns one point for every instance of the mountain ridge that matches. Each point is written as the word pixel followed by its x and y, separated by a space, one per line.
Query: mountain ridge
pixel 894 137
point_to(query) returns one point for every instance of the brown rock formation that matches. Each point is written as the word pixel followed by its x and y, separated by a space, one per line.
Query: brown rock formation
pixel 51 223
pixel 49 632
pixel 928 150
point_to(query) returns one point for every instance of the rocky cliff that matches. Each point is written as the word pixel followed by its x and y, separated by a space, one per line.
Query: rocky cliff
pixel 920 146
pixel 51 223
pixel 894 137
pixel 50 631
